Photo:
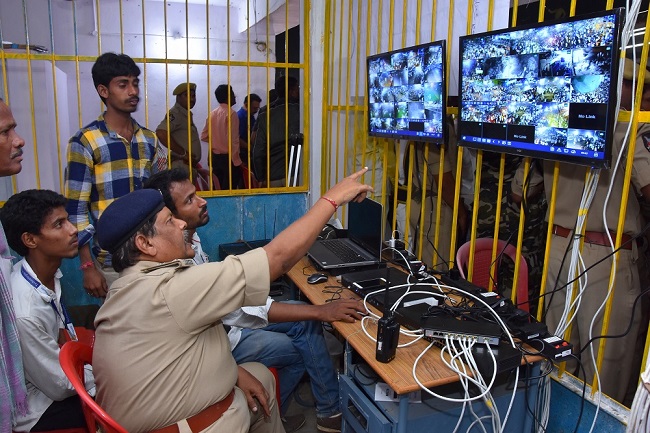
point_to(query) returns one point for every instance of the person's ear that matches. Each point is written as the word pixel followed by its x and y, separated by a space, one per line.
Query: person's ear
pixel 102 91
pixel 30 240
pixel 144 245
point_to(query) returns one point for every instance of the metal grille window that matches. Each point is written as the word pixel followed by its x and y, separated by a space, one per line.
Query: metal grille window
pixel 49 47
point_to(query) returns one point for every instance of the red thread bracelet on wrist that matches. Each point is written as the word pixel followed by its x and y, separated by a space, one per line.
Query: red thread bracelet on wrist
pixel 88 264
pixel 332 202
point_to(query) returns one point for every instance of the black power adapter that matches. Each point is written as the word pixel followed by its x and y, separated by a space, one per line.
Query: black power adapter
pixel 387 330
pixel 387 338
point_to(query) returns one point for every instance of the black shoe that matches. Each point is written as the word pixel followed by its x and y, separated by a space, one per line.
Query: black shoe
pixel 330 424
pixel 292 423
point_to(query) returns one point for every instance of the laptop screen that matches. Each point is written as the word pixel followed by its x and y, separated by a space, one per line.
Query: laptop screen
pixel 365 225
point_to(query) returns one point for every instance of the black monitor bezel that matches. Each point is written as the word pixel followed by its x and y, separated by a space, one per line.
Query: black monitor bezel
pixel 402 136
pixel 605 162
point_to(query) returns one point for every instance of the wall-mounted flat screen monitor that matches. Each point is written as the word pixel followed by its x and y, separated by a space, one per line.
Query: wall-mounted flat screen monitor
pixel 546 90
pixel 407 93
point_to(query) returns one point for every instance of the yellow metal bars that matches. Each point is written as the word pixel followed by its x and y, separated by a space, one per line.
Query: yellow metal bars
pixel 145 88
pixel 80 58
pixel 268 109
pixel 307 85
pixel 229 108
pixel 624 197
pixel 327 97
pixel 346 149
pixel 248 91
pixel 166 44
pixel 56 106
pixel 30 81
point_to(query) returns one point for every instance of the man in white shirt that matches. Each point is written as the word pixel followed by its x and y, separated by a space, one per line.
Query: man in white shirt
pixel 38 229
pixel 287 336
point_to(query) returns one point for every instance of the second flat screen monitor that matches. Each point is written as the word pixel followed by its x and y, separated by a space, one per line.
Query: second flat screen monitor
pixel 407 93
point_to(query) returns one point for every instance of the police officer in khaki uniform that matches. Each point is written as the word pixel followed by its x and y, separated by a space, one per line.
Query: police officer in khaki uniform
pixel 161 358
pixel 616 367
pixel 184 146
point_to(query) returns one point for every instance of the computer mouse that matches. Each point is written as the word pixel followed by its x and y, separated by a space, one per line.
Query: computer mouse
pixel 316 278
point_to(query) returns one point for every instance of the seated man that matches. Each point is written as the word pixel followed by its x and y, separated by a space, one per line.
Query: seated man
pixel 293 341
pixel 162 357
pixel 38 229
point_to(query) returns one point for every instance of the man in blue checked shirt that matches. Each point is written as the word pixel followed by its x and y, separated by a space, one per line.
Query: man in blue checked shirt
pixel 107 159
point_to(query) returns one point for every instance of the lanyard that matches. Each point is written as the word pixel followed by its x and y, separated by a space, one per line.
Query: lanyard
pixel 64 318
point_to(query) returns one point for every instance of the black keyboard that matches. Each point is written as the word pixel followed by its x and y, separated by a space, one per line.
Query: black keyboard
pixel 342 250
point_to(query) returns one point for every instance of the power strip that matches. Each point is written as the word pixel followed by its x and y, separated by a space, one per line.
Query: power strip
pixel 556 348
pixel 461 330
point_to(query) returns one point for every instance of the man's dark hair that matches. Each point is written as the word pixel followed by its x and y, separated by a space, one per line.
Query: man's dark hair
pixel 254 97
pixel 111 65
pixel 221 93
pixel 273 95
pixel 128 253
pixel 279 85
pixel 26 212
pixel 162 182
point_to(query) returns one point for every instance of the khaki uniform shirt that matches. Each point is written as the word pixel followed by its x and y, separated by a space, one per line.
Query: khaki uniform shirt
pixel 161 353
pixel 571 184
pixel 178 132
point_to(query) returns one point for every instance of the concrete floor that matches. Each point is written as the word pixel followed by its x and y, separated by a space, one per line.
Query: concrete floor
pixel 303 402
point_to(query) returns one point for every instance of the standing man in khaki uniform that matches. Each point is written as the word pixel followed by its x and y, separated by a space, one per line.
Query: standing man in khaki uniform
pixel 161 356
pixel 185 144
pixel 616 367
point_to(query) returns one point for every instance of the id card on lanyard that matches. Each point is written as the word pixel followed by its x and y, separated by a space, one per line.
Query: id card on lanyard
pixel 63 315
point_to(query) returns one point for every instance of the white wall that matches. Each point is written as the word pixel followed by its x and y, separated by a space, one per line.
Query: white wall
pixel 41 133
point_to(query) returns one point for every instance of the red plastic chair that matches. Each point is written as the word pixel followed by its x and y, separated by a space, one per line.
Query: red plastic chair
pixel 70 430
pixel 483 262
pixel 253 180
pixel 85 335
pixel 73 356
pixel 274 371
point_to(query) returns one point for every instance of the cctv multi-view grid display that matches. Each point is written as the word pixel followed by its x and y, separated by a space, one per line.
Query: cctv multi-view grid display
pixel 406 93
pixel 545 91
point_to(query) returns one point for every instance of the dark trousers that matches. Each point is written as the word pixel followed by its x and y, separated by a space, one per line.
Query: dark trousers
pixel 62 414
pixel 220 166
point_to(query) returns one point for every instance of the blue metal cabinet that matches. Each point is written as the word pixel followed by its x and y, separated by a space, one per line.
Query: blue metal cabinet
pixel 360 415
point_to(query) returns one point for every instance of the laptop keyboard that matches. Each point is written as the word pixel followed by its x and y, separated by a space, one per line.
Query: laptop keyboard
pixel 342 250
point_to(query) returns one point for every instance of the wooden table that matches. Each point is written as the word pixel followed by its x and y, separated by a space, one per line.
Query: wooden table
pixel 397 374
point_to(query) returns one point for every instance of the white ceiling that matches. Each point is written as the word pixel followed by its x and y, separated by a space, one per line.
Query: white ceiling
pixel 257 8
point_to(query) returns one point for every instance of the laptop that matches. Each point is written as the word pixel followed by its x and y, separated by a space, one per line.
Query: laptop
pixel 362 247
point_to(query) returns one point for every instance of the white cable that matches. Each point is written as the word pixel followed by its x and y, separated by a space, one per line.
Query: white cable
pixel 585 203
pixel 638 420
pixel 442 397
pixel 542 412
pixel 417 337
pixel 628 28
pixel 465 404
pixel 489 400
pixel 497 318
pixel 490 309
